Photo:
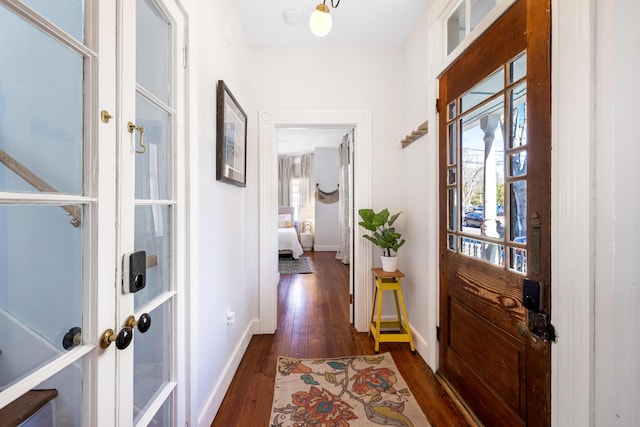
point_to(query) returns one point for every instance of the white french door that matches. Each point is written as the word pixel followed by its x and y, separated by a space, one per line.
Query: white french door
pixel 150 130
pixel 91 139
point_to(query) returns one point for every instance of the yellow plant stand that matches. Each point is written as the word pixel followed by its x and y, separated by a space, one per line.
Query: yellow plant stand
pixel 398 331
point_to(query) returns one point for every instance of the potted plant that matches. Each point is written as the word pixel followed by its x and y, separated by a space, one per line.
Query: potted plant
pixel 384 235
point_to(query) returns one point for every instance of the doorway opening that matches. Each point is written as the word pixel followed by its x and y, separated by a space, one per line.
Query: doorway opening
pixel 270 123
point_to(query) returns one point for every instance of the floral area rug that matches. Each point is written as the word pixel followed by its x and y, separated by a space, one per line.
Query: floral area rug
pixel 343 392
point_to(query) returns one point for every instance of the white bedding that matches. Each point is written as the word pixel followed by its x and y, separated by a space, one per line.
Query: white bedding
pixel 288 241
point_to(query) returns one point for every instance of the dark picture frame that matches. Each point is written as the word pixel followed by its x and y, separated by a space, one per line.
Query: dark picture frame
pixel 231 138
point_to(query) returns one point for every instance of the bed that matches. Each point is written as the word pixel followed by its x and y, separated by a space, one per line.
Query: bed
pixel 288 242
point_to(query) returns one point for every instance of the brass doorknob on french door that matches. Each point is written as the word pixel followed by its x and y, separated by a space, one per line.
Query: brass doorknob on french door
pixel 143 323
pixel 72 338
pixel 122 340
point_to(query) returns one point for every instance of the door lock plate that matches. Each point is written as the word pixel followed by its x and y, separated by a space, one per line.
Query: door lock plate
pixel 134 274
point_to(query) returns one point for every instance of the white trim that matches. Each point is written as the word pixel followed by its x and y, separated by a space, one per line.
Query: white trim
pixel 572 193
pixel 206 417
pixel 268 263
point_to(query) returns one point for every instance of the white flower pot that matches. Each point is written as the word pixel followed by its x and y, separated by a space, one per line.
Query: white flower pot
pixel 389 263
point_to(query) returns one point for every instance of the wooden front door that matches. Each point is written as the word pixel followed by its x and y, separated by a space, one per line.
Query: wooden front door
pixel 495 219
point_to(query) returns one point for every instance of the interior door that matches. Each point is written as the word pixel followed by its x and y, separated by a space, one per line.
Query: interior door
pixel 49 211
pixel 79 188
pixel 151 147
pixel 494 178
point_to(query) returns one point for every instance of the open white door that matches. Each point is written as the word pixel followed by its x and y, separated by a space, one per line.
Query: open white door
pixel 75 197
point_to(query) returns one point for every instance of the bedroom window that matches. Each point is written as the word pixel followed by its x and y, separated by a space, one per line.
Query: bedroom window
pixel 295 198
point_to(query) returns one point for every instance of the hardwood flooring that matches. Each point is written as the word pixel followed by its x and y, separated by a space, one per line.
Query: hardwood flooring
pixel 313 322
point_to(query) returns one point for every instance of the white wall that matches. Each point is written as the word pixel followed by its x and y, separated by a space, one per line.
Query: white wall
pixel 327 175
pixel 418 257
pixel 340 78
pixel 223 221
pixel 616 385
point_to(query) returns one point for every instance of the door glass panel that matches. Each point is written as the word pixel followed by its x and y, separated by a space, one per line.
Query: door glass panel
pixel 490 252
pixel 482 91
pixel 40 286
pixel 480 9
pixel 453 145
pixel 456 29
pixel 453 210
pixel 153 167
pixel 518 259
pixel 518 116
pixel 67 409
pixel 452 110
pixel 518 214
pixel 153 236
pixel 152 45
pixel 452 242
pixel 519 67
pixel 66 14
pixel 451 177
pixel 483 168
pixel 518 163
pixel 41 111
pixel 151 359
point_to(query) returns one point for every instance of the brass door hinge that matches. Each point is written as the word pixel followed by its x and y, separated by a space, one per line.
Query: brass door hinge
pixel 437 333
pixel 437 105
pixel 350 298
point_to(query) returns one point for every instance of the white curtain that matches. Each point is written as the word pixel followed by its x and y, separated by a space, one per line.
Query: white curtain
pixel 344 251
pixel 285 166
pixel 307 199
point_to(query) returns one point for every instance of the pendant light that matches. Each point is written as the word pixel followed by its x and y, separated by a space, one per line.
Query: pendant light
pixel 320 21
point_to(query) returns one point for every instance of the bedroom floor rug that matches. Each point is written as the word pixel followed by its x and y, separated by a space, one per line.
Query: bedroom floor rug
pixel 295 266
pixel 347 391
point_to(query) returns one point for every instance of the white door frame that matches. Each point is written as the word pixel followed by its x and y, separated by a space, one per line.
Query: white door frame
pixel 361 262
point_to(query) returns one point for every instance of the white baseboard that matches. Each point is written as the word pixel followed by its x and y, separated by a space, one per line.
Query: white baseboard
pixel 418 340
pixel 325 248
pixel 205 419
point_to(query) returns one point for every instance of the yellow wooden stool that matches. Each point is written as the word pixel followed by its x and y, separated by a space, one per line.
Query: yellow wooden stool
pixel 400 330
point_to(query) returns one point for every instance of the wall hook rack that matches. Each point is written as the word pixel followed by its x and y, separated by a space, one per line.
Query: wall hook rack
pixel 421 130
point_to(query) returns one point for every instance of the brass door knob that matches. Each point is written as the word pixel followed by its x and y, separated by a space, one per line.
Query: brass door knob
pixel 143 323
pixel 122 340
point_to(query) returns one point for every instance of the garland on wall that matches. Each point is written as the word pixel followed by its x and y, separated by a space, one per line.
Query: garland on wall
pixel 327 197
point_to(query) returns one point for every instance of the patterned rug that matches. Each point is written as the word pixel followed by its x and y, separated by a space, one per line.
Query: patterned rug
pixel 295 266
pixel 343 392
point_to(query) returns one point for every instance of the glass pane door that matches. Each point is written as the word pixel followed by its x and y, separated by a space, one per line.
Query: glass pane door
pixel 154 212
pixel 44 200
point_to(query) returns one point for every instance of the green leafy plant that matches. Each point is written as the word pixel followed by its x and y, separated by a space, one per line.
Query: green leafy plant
pixel 384 235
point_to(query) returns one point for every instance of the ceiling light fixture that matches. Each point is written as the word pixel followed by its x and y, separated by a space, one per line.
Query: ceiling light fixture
pixel 320 21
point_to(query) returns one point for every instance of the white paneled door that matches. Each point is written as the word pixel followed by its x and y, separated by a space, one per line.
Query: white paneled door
pixel 91 210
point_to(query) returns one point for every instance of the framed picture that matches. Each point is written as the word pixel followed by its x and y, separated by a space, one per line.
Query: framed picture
pixel 231 130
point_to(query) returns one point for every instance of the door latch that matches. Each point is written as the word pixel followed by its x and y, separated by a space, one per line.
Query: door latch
pixel 538 322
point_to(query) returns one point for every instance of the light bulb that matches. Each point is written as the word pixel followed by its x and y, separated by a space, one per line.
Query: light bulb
pixel 320 21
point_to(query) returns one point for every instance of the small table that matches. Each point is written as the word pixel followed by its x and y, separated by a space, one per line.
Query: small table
pixel 401 331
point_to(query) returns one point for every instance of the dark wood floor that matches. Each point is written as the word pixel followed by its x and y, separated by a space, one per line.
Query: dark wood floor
pixel 313 322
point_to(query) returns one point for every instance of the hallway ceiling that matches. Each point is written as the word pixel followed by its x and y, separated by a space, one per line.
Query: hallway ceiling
pixel 355 22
